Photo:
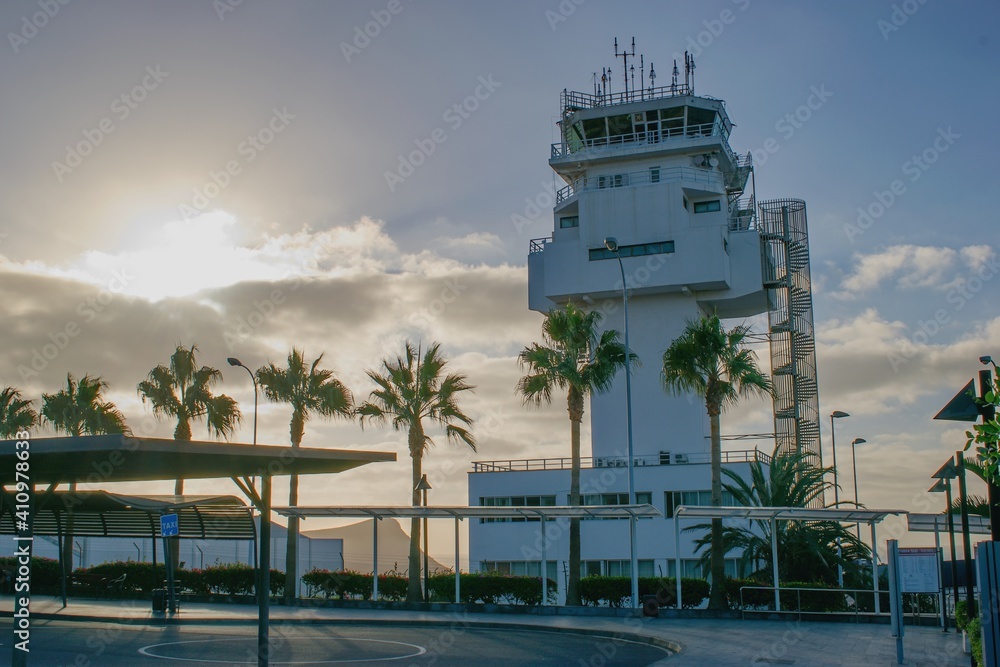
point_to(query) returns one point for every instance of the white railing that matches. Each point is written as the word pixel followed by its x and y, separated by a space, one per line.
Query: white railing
pixel 661 459
pixel 662 135
pixel 633 178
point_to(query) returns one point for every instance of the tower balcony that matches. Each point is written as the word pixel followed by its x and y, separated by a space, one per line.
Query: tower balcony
pixel 695 175
pixel 661 459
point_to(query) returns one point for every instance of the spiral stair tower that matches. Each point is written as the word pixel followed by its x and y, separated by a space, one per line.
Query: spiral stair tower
pixel 785 247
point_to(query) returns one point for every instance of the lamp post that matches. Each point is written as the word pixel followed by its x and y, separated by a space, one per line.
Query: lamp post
pixel 966 540
pixel 612 245
pixel 854 466
pixel 424 486
pixel 947 472
pixel 233 361
pixel 837 414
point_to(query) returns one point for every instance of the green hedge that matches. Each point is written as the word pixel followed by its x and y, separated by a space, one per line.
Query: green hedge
pixel 490 588
pixel 44 573
pixel 617 591
pixel 141 578
pixel 484 588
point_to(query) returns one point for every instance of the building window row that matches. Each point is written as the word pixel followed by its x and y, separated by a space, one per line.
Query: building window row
pixel 521 568
pixel 515 501
pixel 638 250
pixel 674 499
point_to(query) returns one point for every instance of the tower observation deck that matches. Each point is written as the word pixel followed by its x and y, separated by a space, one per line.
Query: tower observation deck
pixel 653 167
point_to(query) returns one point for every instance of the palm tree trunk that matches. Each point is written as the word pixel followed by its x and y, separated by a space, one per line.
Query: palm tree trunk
pixel 297 428
pixel 413 589
pixel 575 407
pixel 67 552
pixel 717 598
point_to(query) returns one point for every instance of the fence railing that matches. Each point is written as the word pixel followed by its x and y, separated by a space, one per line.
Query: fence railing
pixel 661 459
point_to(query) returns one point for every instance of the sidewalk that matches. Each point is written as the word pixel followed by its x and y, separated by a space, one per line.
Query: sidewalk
pixel 715 643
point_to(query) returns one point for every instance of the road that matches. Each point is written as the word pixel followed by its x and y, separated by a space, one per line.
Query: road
pixel 75 644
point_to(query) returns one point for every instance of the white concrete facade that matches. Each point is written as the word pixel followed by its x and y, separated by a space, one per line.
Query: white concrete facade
pixel 654 170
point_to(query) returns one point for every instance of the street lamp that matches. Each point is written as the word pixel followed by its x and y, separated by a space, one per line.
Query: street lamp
pixel 612 245
pixel 987 359
pixel 233 361
pixel 425 486
pixel 854 466
pixel 837 414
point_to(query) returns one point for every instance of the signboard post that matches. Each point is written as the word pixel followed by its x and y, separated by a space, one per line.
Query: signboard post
pixel 895 597
pixel 169 527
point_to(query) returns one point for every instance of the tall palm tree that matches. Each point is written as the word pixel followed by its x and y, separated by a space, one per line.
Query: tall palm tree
pixel 579 359
pixel 183 390
pixel 807 550
pixel 16 413
pixel 409 390
pixel 711 362
pixel 308 388
pixel 81 409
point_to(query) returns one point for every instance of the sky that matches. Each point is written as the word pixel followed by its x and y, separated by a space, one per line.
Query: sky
pixel 248 176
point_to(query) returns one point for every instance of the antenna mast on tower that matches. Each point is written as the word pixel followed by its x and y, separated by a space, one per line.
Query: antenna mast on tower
pixel 624 55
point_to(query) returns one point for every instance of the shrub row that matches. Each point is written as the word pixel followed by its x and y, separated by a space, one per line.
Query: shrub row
pixel 227 579
pixel 484 588
pixel 617 591
pixel 44 574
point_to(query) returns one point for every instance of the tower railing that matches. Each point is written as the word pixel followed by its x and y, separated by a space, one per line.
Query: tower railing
pixel 633 178
pixel 661 459
pixel 573 100
pixel 650 137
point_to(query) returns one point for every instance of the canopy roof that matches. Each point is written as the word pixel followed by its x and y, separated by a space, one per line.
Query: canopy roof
pixel 103 514
pixel 786 513
pixel 929 523
pixel 101 459
pixel 407 512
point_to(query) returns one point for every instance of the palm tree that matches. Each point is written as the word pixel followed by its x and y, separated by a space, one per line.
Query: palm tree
pixel 183 391
pixel 81 409
pixel 409 390
pixel 807 550
pixel 308 388
pixel 711 362
pixel 575 357
pixel 16 413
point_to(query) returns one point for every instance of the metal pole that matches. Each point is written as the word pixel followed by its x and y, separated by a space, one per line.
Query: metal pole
pixel 878 602
pixel 854 466
pixel 633 557
pixel 677 556
pixel 940 554
pixel 427 586
pixel 545 569
pixel 374 559
pixel 264 592
pixel 774 563
pixel 966 540
pixel 951 540
pixel 458 573
pixel 836 498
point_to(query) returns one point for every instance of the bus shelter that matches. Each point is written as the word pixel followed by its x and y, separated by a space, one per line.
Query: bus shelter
pixel 543 514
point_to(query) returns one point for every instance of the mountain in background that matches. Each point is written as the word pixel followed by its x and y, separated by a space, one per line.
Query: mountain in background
pixel 393 546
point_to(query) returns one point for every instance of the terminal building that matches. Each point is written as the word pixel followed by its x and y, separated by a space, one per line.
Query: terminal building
pixel 652 166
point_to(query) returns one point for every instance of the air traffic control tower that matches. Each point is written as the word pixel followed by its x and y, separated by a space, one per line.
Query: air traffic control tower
pixel 651 166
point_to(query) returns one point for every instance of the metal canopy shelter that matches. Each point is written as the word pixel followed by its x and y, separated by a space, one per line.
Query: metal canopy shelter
pixel 775 514
pixel 104 514
pixel 105 459
pixel 934 523
pixel 543 514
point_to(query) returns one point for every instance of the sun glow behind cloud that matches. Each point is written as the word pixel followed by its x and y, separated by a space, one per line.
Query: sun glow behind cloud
pixel 184 257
